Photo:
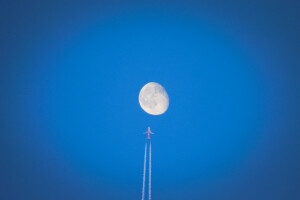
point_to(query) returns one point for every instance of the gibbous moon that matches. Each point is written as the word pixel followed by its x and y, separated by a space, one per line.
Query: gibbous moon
pixel 154 99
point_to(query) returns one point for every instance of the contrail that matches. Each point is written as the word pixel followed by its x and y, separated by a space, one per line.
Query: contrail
pixel 144 175
pixel 150 172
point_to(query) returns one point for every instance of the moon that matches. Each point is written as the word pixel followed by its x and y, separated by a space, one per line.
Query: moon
pixel 154 99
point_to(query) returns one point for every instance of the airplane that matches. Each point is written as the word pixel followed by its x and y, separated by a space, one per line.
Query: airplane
pixel 148 132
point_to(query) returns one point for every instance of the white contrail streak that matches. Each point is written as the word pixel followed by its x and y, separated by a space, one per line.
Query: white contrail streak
pixel 150 172
pixel 144 174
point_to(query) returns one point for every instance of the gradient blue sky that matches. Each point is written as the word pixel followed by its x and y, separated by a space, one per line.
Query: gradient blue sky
pixel 71 124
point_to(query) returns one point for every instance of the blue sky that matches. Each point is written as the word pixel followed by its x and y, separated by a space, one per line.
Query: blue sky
pixel 72 125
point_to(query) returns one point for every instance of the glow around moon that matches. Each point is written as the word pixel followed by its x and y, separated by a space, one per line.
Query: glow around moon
pixel 154 99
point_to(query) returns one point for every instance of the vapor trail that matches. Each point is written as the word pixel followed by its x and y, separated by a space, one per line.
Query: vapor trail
pixel 144 174
pixel 150 172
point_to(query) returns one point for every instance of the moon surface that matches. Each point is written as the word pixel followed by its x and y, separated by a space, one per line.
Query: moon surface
pixel 154 99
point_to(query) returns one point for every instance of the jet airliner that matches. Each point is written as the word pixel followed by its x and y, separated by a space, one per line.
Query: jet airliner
pixel 148 132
